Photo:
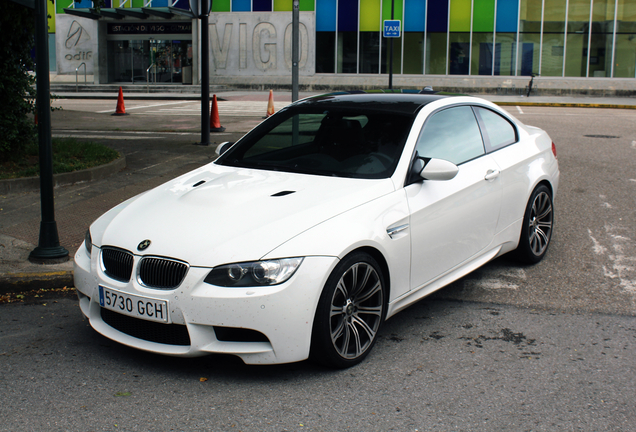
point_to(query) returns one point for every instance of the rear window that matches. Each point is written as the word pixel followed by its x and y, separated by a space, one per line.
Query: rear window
pixel 499 131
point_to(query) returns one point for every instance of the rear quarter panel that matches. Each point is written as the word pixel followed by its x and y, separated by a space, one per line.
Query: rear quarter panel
pixel 523 166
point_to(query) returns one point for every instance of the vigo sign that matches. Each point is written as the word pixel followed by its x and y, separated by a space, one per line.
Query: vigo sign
pixel 259 43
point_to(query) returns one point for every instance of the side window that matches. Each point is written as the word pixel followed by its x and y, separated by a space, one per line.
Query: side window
pixel 499 132
pixel 453 135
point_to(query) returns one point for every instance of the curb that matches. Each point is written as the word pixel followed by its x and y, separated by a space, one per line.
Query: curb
pixel 28 184
pixel 566 105
pixel 131 96
pixel 22 282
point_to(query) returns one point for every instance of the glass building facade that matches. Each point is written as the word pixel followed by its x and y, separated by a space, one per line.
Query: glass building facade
pixel 555 38
pixel 558 38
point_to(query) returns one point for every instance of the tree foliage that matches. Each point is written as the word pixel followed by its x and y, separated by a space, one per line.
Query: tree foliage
pixel 17 129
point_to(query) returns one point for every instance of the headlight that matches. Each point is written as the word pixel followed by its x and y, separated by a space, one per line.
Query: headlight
pixel 257 273
pixel 88 241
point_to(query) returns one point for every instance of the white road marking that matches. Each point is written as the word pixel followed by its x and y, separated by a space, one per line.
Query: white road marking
pixel 114 137
pixel 144 106
pixel 76 131
pixel 597 248
pixel 519 109
pixel 621 258
pixel 226 108
pixel 495 279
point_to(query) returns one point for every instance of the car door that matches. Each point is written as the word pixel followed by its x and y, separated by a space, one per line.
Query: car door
pixel 452 221
pixel 502 142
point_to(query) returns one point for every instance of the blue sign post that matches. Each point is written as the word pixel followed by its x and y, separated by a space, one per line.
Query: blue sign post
pixel 392 28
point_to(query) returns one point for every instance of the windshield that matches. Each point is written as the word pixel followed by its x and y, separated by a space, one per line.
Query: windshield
pixel 343 143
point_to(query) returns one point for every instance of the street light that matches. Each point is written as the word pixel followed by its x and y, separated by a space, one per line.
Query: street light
pixel 48 250
pixel 201 10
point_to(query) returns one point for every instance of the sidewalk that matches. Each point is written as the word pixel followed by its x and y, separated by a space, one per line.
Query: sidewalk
pixel 150 160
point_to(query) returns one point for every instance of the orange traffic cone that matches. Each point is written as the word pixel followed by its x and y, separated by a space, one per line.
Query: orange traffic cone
pixel 121 110
pixel 215 121
pixel 270 104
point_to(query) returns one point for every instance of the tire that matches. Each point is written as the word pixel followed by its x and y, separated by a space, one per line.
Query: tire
pixel 350 312
pixel 538 223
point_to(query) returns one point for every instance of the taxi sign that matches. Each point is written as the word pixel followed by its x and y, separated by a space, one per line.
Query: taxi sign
pixel 392 28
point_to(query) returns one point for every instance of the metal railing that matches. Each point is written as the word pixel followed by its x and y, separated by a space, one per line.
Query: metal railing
pixel 148 77
pixel 76 78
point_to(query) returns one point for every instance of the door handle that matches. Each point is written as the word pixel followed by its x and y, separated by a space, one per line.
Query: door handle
pixel 492 174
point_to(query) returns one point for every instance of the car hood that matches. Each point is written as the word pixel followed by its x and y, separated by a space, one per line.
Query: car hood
pixel 217 214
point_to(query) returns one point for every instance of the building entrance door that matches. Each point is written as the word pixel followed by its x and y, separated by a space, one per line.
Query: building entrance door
pixel 162 61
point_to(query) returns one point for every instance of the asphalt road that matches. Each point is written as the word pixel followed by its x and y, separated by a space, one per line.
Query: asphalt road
pixel 541 348
pixel 438 366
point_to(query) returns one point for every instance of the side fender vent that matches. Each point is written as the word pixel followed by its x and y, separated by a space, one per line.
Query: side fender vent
pixel 283 193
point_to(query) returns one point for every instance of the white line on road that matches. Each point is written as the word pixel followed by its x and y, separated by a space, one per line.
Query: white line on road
pixel 519 109
pixel 77 131
pixel 146 106
pixel 115 137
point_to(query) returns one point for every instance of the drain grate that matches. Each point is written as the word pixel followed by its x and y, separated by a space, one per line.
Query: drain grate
pixel 602 136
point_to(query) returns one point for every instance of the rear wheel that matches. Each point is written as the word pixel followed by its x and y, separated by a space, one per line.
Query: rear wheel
pixel 538 222
pixel 350 312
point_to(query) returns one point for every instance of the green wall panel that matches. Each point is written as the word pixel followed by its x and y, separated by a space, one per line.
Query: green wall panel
pixel 484 16
pixel 221 5
pixel 307 5
pixel 283 5
pixel 386 10
pixel 288 5
pixel 460 16
pixel 370 16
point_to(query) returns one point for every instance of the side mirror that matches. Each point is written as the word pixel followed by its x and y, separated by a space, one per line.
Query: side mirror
pixel 439 169
pixel 223 147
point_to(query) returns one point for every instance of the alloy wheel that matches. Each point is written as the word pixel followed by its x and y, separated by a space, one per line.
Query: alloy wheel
pixel 540 228
pixel 356 310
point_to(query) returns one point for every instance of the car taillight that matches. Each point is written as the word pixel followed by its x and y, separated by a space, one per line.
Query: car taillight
pixel 554 150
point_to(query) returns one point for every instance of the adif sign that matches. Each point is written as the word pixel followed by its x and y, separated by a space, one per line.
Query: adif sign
pixel 76 43
pixel 259 43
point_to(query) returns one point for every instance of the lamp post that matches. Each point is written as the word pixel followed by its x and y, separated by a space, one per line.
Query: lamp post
pixel 391 50
pixel 295 48
pixel 201 10
pixel 48 250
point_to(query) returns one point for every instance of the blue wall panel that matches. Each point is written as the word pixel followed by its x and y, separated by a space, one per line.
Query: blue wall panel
pixel 326 15
pixel 507 16
pixel 414 15
pixel 262 5
pixel 347 15
pixel 182 4
pixel 437 20
pixel 241 5
pixel 83 4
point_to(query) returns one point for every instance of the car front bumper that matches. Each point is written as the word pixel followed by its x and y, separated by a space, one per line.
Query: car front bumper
pixel 283 314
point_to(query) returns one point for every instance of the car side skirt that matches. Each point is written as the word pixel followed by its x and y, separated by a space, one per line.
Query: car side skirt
pixel 458 272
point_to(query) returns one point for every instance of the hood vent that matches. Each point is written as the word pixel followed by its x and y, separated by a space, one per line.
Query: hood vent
pixel 283 193
pixel 199 183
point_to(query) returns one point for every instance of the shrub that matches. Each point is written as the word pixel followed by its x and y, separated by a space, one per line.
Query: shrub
pixel 17 129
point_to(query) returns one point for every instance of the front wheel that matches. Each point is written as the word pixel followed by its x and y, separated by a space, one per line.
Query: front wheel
pixel 538 222
pixel 350 312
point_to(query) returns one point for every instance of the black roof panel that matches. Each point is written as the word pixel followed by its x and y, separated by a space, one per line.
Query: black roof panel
pixel 401 101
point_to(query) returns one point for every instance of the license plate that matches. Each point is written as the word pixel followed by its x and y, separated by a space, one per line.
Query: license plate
pixel 136 306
